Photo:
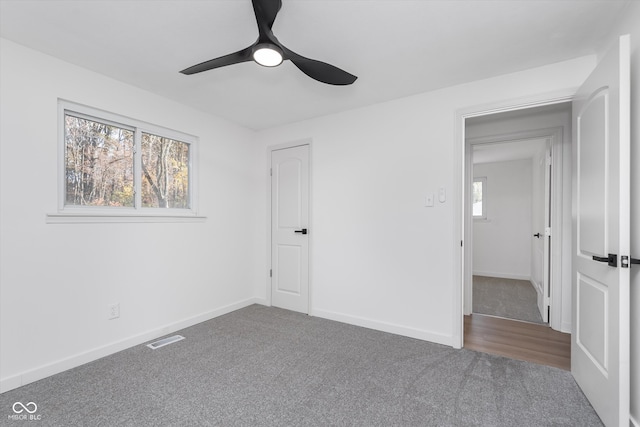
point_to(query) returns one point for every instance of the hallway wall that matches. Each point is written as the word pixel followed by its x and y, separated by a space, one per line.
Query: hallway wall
pixel 502 242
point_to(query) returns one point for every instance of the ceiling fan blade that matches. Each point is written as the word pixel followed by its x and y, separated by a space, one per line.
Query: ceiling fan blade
pixel 266 11
pixel 243 55
pixel 320 71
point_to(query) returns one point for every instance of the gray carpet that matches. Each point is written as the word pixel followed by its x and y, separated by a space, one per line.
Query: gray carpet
pixel 263 366
pixel 509 298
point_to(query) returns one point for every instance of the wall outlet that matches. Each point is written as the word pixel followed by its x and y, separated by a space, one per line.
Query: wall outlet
pixel 114 311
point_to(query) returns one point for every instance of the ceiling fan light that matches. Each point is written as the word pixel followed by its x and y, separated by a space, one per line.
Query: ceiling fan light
pixel 267 55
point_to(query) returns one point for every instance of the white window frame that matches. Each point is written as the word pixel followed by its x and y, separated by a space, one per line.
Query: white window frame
pixel 483 180
pixel 137 213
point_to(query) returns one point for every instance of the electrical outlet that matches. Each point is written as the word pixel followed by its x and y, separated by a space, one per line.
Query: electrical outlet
pixel 114 311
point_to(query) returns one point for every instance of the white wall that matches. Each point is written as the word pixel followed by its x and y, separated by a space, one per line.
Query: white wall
pixel 630 24
pixel 57 280
pixel 502 242
pixel 379 257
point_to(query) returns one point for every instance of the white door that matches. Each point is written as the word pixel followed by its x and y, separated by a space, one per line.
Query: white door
pixel 600 337
pixel 542 238
pixel 290 228
pixel 546 274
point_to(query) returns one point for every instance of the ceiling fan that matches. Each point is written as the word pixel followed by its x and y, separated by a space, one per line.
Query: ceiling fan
pixel 269 52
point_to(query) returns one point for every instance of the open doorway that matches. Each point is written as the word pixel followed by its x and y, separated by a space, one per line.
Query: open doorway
pixel 510 206
pixel 544 131
pixel 521 158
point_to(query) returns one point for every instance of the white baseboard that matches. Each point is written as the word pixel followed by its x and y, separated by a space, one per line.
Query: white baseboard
pixel 537 286
pixel 386 327
pixel 261 301
pixel 62 365
pixel 566 328
pixel 501 275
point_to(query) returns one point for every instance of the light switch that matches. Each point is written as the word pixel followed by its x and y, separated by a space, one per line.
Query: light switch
pixel 428 200
pixel 442 195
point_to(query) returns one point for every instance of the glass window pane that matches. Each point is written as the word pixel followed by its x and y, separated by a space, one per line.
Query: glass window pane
pixel 165 170
pixel 98 163
pixel 477 198
pixel 477 191
pixel 477 209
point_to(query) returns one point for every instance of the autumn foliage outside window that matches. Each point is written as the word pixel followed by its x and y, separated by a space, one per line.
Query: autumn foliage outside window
pixel 165 167
pixel 102 169
pixel 99 163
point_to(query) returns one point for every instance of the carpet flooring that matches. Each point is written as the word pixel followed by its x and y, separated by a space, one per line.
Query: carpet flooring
pixel 508 298
pixel 262 366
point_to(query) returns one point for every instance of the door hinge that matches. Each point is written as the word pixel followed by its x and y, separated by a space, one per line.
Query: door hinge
pixel 270 273
pixel 547 231
pixel 548 160
pixel 461 243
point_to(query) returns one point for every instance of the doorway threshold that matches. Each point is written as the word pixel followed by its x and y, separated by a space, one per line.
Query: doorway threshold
pixel 519 340
pixel 511 319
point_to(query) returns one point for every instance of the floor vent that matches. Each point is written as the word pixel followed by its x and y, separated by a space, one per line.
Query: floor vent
pixel 165 341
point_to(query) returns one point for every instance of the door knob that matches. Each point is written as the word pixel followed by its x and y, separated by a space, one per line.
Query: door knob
pixel 537 235
pixel 611 260
pixel 303 231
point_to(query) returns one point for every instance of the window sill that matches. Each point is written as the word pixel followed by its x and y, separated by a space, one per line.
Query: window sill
pixel 74 218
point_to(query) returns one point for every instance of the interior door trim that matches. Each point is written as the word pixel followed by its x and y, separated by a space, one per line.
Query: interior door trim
pixel 555 136
pixel 459 247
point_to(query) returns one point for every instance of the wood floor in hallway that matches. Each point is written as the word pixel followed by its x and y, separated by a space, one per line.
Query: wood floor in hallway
pixel 518 340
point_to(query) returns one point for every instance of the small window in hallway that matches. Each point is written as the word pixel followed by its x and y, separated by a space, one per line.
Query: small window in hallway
pixel 479 198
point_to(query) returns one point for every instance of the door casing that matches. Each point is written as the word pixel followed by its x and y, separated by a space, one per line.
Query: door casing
pixel 555 136
pixel 462 247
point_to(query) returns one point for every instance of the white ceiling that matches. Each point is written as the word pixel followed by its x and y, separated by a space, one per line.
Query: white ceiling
pixel 395 47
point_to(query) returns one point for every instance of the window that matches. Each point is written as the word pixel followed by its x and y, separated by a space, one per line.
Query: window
pixel 165 170
pixel 98 163
pixel 117 166
pixel 479 195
